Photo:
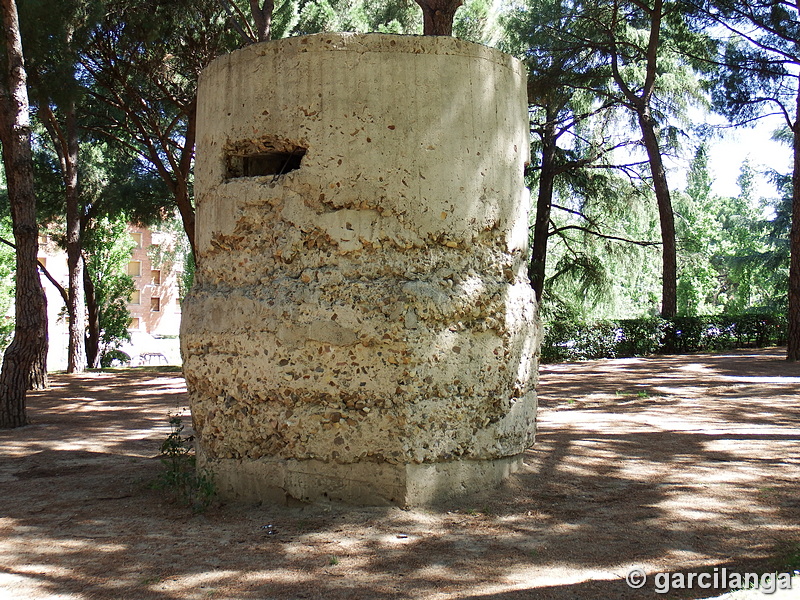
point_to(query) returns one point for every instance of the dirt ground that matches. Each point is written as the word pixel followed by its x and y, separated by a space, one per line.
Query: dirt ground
pixel 669 464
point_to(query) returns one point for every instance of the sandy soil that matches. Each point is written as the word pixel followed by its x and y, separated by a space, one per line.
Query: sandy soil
pixel 673 464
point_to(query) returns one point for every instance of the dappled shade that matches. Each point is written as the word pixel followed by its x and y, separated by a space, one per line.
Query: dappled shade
pixel 673 464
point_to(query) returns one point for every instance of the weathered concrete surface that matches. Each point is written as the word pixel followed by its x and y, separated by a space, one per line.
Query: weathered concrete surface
pixel 361 327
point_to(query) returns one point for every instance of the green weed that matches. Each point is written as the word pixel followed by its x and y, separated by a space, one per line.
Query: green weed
pixel 181 477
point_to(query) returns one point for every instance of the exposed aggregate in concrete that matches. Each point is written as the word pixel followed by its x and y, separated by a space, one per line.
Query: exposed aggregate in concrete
pixel 372 305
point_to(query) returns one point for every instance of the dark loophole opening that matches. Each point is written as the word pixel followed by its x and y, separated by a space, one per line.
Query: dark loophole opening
pixel 265 163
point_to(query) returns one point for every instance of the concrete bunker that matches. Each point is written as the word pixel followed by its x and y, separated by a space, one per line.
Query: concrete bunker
pixel 361 327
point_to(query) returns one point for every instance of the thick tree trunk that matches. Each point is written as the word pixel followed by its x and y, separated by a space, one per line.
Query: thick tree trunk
pixel 93 322
pixel 180 186
pixel 186 210
pixel 639 102
pixel 438 15
pixel 544 202
pixel 262 16
pixel 30 334
pixel 76 360
pixel 669 259
pixel 39 380
pixel 793 333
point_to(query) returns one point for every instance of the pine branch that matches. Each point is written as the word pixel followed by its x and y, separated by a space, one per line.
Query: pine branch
pixel 46 273
pixel 249 37
pixel 603 235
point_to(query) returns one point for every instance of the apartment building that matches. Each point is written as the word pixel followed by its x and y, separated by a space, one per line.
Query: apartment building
pixel 154 305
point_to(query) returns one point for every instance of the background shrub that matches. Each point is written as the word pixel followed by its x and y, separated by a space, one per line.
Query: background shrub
pixel 566 341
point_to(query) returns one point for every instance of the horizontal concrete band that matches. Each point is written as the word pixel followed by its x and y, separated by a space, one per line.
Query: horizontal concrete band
pixel 366 484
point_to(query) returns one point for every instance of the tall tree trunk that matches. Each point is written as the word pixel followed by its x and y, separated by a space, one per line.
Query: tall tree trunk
pixel 438 15
pixel 263 18
pixel 669 259
pixel 544 202
pixel 65 141
pixel 39 380
pixel 640 104
pixel 76 360
pixel 93 322
pixel 184 202
pixel 30 334
pixel 793 333
pixel 178 179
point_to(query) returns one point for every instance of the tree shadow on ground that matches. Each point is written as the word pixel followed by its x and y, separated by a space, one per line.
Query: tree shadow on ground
pixel 684 479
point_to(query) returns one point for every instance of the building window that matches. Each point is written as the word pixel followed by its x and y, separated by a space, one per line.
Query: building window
pixel 155 304
pixel 136 297
pixel 134 324
pixel 155 276
pixel 135 268
pixel 137 238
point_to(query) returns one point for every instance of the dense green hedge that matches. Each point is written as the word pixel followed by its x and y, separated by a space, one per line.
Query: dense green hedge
pixel 564 341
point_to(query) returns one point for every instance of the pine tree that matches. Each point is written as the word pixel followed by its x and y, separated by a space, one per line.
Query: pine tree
pixel 30 335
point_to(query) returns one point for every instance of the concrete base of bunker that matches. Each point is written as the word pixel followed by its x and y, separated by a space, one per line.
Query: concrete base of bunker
pixel 361 328
pixel 376 484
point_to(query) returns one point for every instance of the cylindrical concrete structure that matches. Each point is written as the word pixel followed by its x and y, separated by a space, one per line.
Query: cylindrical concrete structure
pixel 361 327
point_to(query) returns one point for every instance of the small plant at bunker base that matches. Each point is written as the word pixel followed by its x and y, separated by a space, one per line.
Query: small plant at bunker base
pixel 192 488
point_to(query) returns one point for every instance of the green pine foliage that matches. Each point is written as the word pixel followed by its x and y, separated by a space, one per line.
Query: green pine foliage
pixel 477 21
pixel 360 16
pixel 726 261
